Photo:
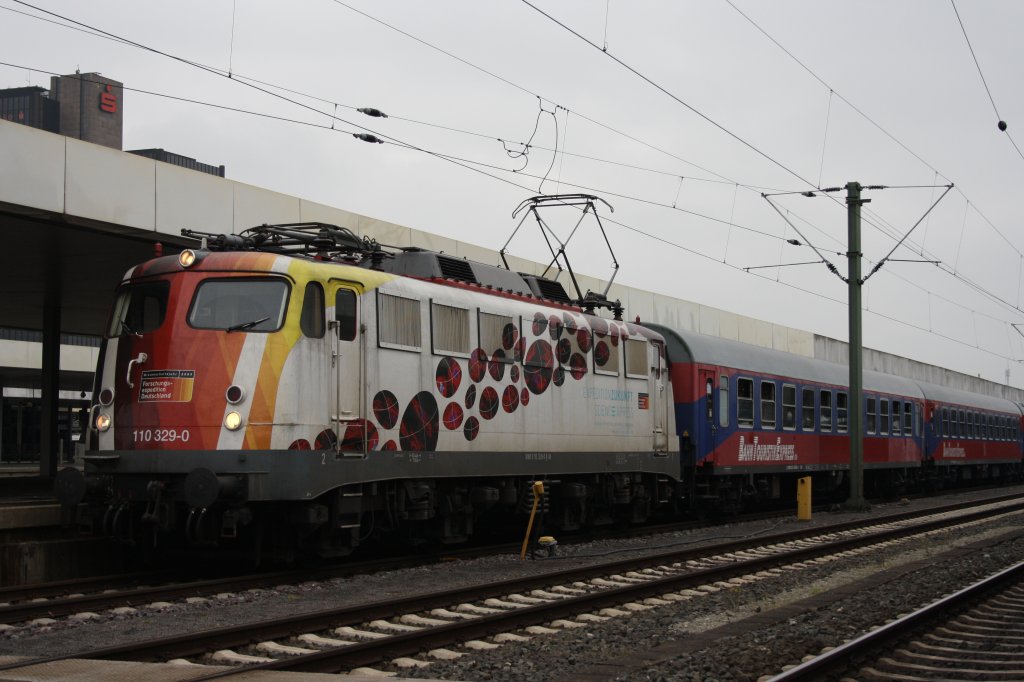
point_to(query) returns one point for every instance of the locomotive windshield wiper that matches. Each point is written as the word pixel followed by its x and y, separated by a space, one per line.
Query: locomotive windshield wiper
pixel 246 325
pixel 128 330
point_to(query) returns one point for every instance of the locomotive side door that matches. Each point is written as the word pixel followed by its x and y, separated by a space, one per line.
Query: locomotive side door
pixel 660 408
pixel 346 369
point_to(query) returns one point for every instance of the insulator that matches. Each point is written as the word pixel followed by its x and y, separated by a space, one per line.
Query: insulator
pixel 370 111
pixel 366 137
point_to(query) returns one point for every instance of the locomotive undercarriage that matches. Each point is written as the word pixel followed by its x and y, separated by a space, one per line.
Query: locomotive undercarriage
pixel 154 513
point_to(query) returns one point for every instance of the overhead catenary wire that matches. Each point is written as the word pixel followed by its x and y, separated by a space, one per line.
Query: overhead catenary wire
pixel 395 141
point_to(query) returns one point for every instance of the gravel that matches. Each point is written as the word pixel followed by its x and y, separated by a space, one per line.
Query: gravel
pixel 742 657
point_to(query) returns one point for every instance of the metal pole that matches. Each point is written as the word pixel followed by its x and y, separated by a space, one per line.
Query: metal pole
pixel 855 407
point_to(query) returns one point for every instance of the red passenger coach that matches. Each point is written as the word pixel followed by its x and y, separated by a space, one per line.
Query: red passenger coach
pixel 969 433
pixel 751 420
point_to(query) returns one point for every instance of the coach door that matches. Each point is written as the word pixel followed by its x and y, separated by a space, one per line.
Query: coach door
pixel 347 375
pixel 705 428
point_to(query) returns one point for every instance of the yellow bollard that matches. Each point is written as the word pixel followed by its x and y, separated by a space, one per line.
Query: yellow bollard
pixel 803 499
pixel 538 491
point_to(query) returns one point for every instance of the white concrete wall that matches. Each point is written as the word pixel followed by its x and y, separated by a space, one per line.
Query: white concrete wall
pixel 84 181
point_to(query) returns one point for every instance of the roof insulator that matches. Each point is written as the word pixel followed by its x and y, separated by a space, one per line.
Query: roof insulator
pixel 366 137
pixel 370 111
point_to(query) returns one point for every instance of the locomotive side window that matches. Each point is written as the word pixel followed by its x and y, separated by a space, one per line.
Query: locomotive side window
pixel 767 404
pixel 139 308
pixel 497 332
pixel 251 305
pixel 897 420
pixel 883 416
pixel 869 421
pixel 606 356
pixel 311 321
pixel 345 314
pixel 449 329
pixel 826 410
pixel 788 407
pixel 636 358
pixel 723 401
pixel 807 420
pixel 842 411
pixel 398 322
pixel 745 402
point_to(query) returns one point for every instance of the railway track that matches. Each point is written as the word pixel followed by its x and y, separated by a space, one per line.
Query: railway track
pixel 396 630
pixel 974 634
pixel 55 600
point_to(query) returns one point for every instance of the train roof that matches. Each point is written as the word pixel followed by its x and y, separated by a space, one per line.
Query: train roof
pixel 686 346
pixel 944 394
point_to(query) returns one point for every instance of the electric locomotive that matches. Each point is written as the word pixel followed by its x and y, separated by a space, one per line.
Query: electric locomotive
pixel 296 387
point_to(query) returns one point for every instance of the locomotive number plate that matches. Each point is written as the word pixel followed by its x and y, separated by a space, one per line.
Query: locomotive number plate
pixel 160 435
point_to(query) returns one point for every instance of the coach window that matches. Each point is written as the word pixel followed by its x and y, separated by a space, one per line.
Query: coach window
pixel 826 410
pixel 788 407
pixel 723 401
pixel 963 424
pixel 896 418
pixel 745 402
pixel 883 416
pixel 908 419
pixel 709 398
pixel 449 329
pixel 990 430
pixel 398 322
pixel 767 404
pixel 807 419
pixel 972 426
pixel 311 321
pixel 842 411
pixel 945 422
pixel 869 422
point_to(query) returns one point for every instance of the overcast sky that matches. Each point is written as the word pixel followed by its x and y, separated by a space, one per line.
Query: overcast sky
pixel 740 98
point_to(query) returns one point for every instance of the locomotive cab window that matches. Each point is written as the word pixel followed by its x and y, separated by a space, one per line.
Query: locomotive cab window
pixel 745 402
pixel 345 314
pixel 311 321
pixel 807 420
pixel 767 404
pixel 140 308
pixel 233 305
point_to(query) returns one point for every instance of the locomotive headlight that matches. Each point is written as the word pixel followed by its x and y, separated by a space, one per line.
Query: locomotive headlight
pixel 186 258
pixel 102 422
pixel 233 421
